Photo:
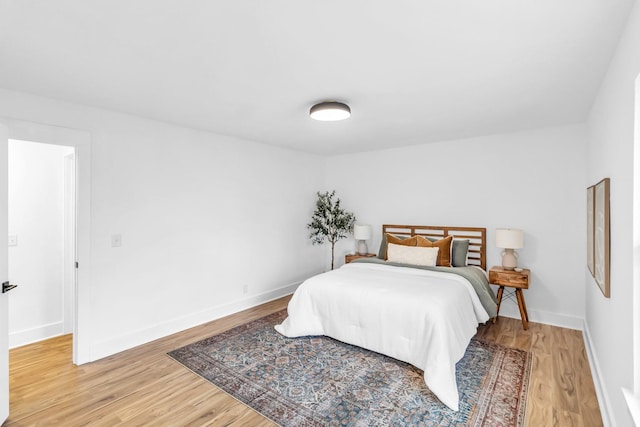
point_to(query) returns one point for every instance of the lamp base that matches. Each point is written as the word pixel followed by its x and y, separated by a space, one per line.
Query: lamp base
pixel 509 259
pixel 362 247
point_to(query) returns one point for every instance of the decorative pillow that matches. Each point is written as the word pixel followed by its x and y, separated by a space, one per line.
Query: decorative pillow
pixel 459 250
pixel 444 255
pixel 396 240
pixel 413 255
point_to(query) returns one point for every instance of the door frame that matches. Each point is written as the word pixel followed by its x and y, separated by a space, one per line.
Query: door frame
pixel 4 275
pixel 70 278
pixel 81 141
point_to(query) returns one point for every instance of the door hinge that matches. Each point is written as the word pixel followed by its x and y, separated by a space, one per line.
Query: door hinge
pixel 76 264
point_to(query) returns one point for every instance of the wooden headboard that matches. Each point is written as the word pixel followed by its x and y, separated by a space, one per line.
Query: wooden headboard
pixel 477 238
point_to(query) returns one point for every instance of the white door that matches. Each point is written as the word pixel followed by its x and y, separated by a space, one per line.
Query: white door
pixel 4 274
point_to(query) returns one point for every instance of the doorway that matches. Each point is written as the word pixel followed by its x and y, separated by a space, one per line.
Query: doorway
pixel 42 245
pixel 80 140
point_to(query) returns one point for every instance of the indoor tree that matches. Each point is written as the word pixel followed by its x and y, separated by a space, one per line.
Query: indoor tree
pixel 329 221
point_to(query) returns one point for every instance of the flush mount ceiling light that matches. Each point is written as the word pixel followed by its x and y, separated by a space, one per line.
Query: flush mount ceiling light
pixel 330 111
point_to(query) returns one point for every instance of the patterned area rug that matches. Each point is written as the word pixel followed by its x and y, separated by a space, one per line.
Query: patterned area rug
pixel 318 381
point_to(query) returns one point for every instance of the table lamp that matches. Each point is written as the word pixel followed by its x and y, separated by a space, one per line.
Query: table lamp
pixel 362 233
pixel 509 239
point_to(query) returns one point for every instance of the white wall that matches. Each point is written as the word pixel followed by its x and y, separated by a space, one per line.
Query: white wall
pixel 610 154
pixel 36 179
pixel 201 216
pixel 532 180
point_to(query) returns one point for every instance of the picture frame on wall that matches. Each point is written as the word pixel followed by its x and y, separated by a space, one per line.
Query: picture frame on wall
pixel 591 229
pixel 601 237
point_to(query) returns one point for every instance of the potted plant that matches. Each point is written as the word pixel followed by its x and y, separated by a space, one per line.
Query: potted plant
pixel 329 221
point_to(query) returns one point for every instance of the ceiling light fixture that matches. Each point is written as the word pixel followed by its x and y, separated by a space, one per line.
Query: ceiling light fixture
pixel 330 111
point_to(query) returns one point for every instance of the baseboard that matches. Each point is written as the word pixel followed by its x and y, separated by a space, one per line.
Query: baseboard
pixel 39 333
pixel 633 403
pixel 142 336
pixel 546 317
pixel 596 374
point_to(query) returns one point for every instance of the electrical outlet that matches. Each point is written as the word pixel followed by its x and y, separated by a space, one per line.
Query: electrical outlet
pixel 245 289
pixel 116 240
pixel 13 240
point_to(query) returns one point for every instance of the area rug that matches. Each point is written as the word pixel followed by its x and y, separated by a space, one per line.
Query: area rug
pixel 318 381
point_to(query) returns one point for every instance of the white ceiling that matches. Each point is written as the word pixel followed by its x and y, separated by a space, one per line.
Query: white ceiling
pixel 413 71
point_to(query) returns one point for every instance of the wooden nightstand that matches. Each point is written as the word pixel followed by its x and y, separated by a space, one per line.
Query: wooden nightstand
pixel 512 279
pixel 349 258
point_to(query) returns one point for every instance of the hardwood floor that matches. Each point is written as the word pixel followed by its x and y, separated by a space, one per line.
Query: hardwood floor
pixel 561 391
pixel 143 386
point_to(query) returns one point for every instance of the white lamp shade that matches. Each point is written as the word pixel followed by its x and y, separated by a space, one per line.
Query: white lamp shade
pixel 509 238
pixel 362 231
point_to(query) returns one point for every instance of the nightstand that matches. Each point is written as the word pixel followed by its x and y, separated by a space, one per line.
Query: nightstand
pixel 349 258
pixel 511 279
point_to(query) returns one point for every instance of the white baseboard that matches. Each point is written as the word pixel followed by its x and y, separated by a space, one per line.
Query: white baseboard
pixel 596 374
pixel 539 316
pixel 633 403
pixel 39 333
pixel 132 339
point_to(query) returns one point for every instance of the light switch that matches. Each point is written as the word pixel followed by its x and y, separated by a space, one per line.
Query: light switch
pixel 116 240
pixel 13 240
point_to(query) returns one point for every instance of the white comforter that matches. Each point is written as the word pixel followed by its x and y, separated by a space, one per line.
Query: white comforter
pixel 421 317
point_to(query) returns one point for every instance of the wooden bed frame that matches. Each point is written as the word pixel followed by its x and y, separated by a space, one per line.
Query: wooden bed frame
pixel 477 254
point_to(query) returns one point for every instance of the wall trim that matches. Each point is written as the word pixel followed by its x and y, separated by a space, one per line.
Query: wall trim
pixel 142 336
pixel 39 333
pixel 633 403
pixel 598 382
pixel 546 317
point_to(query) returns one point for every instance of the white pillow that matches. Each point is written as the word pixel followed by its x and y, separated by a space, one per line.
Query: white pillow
pixel 414 255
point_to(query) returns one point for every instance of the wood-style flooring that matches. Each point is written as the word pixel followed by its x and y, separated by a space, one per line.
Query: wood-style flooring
pixel 143 386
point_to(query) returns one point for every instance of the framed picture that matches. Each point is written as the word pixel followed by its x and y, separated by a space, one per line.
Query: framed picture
pixel 601 236
pixel 590 228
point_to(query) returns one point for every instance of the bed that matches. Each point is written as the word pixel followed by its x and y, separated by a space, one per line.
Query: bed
pixel 422 315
